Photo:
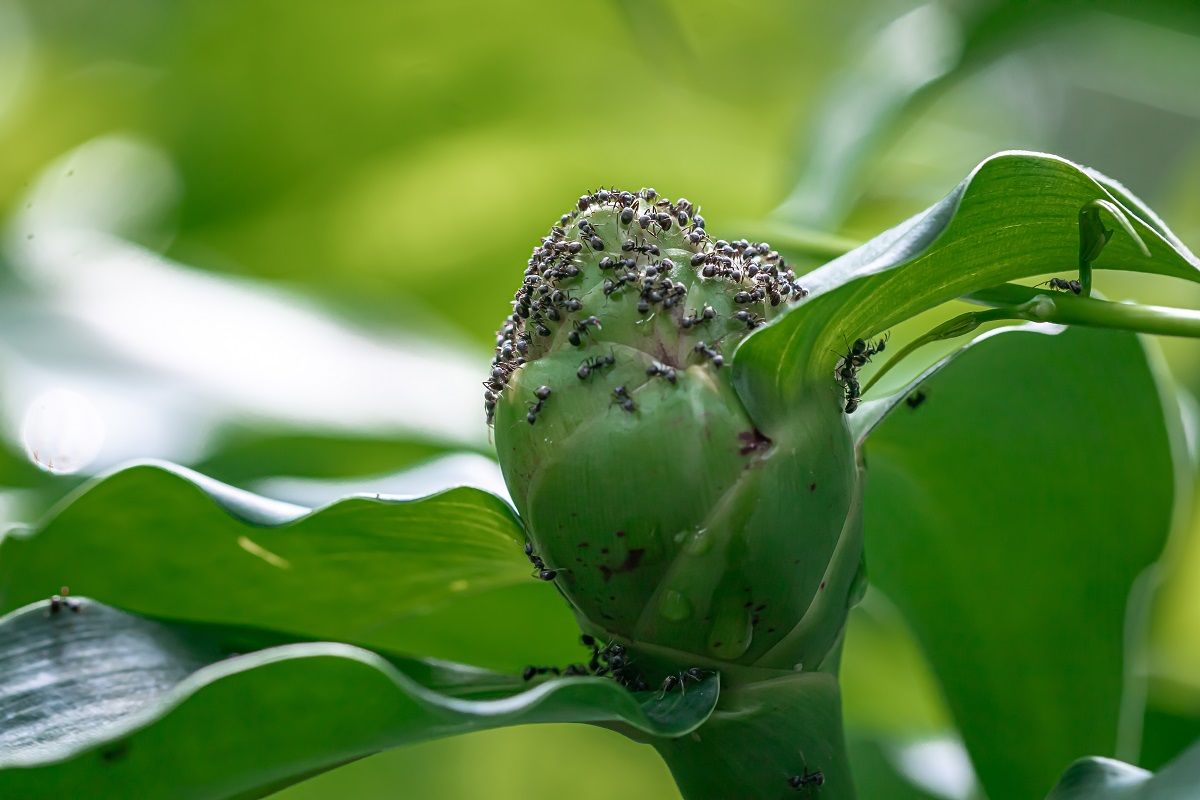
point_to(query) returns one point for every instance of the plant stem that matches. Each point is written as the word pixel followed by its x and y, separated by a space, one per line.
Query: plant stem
pixel 1065 309
pixel 1012 301
pixel 761 734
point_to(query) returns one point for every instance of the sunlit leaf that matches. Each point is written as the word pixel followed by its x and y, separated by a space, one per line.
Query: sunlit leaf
pixel 379 573
pixel 1015 216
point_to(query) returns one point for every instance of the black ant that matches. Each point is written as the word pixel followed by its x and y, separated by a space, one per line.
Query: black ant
pixel 712 355
pixel 680 680
pixel 1074 287
pixel 644 249
pixel 657 370
pixel 915 399
pixel 575 337
pixel 814 778
pixel 853 395
pixel 621 397
pixel 752 320
pixel 846 371
pixel 60 601
pixel 531 671
pixel 591 365
pixel 542 573
pixel 611 286
pixel 542 393
pixel 704 316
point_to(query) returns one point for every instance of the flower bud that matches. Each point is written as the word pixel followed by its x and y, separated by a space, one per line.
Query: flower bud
pixel 669 519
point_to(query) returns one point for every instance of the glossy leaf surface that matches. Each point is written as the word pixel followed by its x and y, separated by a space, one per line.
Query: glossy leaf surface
pixel 101 703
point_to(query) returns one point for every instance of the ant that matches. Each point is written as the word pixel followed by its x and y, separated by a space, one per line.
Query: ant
pixel 752 320
pixel 1074 287
pixel 611 286
pixel 591 365
pixel 60 601
pixel 621 397
pixel 531 671
pixel 915 399
pixel 853 395
pixel 712 355
pixel 680 680
pixel 575 337
pixel 657 370
pixel 644 249
pixel 704 316
pixel 542 393
pixel 542 573
pixel 846 371
pixel 814 778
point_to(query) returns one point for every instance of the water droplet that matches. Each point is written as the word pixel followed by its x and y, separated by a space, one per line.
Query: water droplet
pixel 699 543
pixel 674 606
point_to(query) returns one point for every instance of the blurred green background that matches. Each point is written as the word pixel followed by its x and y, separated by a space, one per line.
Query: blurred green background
pixel 273 241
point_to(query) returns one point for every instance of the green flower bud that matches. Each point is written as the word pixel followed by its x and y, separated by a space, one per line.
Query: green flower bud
pixel 666 516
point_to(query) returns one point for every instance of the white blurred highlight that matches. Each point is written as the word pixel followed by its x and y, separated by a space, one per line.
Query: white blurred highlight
pixel 62 431
pixel 439 474
pixel 233 348
pixel 939 766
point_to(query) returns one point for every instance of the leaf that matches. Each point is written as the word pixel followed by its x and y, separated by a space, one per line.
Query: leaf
pixel 443 575
pixel 1015 216
pixel 100 701
pixel 1105 779
pixel 1008 517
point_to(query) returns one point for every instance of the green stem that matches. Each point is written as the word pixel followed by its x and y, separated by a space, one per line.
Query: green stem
pixel 1012 301
pixel 760 735
pixel 1065 309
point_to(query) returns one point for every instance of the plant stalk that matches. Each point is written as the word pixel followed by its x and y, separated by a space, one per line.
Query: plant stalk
pixel 1012 301
pixel 762 734
pixel 1065 309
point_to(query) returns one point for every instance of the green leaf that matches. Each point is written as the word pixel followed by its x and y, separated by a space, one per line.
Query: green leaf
pixel 1015 216
pixel 1008 517
pixel 443 575
pixel 100 701
pixel 1105 779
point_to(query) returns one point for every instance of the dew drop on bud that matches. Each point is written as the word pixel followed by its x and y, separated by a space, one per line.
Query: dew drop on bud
pixel 674 606
pixel 62 431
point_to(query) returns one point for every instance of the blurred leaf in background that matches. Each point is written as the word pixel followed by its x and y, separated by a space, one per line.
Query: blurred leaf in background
pixel 273 242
